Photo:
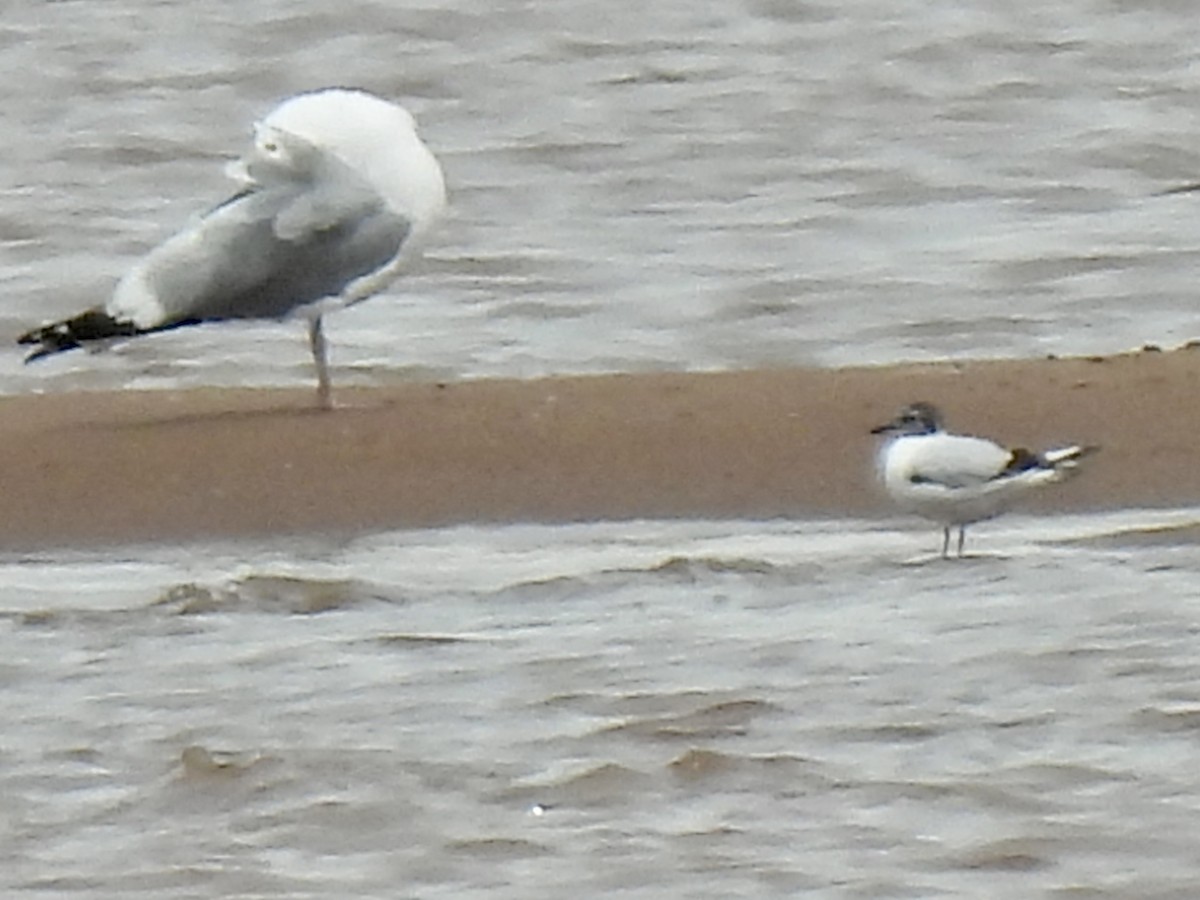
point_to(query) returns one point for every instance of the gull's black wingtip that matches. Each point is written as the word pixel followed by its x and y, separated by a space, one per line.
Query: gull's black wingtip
pixel 70 334
pixel 50 339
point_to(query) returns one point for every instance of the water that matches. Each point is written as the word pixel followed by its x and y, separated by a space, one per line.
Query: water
pixel 688 709
pixel 680 709
pixel 637 186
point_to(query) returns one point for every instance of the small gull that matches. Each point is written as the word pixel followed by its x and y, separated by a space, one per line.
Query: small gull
pixel 957 480
pixel 335 190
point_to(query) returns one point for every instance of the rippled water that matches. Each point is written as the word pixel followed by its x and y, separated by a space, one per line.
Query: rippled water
pixel 666 185
pixel 644 709
pixel 688 709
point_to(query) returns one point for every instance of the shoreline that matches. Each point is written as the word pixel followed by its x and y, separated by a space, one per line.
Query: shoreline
pixel 94 469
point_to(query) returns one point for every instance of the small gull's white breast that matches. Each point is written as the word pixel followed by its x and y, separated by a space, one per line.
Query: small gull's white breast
pixel 948 478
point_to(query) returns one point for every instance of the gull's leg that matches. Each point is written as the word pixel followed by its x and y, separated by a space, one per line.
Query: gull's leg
pixel 946 542
pixel 316 340
pixel 962 536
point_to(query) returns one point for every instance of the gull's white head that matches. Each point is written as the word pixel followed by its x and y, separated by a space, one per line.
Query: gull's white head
pixel 378 140
pixel 276 155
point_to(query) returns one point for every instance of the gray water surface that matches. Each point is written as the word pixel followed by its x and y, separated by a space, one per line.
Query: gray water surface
pixel 648 709
pixel 636 186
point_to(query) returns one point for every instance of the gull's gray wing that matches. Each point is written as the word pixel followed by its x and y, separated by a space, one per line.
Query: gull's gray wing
pixel 955 461
pixel 301 233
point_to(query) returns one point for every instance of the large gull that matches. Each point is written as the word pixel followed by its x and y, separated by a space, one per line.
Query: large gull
pixel 336 188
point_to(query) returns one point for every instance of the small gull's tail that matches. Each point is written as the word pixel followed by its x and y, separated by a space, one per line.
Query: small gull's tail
pixel 1052 465
pixel 1065 460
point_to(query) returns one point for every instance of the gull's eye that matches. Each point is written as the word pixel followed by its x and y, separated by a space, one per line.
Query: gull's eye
pixel 271 146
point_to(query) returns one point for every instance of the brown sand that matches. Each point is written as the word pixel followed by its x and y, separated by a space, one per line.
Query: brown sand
pixel 98 468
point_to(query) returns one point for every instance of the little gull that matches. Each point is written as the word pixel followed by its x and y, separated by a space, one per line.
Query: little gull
pixel 958 480
pixel 337 187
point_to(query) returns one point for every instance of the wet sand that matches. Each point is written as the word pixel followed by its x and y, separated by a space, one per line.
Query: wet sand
pixel 100 468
